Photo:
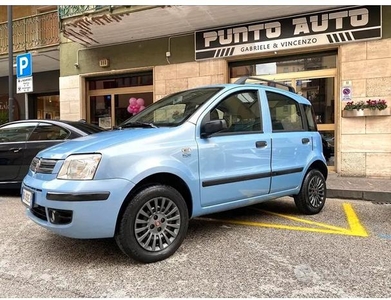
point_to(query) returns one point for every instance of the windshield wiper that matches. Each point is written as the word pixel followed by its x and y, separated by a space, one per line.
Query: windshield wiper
pixel 137 124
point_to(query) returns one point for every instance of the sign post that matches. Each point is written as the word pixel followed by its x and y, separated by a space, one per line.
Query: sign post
pixel 24 77
pixel 10 65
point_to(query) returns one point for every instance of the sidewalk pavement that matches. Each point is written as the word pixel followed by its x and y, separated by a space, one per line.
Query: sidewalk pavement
pixel 359 188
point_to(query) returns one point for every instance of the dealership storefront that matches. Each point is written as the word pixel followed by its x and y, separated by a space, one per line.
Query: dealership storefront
pixel 320 54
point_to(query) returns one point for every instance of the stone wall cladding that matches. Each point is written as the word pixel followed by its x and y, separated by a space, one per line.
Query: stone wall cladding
pixel 365 143
pixel 174 78
pixel 352 164
pixel 378 165
pixel 70 99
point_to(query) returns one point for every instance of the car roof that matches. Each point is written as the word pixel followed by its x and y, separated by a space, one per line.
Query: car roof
pixel 265 84
pixel 79 125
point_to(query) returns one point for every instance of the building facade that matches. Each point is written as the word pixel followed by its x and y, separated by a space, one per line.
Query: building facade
pixel 109 55
pixel 35 30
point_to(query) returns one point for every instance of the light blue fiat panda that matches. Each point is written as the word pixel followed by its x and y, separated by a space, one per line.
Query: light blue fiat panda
pixel 196 152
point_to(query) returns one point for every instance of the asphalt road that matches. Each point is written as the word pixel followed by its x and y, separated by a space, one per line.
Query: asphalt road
pixel 267 250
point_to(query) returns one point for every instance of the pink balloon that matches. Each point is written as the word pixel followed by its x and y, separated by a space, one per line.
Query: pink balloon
pixel 132 101
pixel 141 108
pixel 140 101
pixel 130 110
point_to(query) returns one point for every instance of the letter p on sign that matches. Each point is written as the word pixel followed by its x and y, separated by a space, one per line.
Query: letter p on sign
pixel 24 65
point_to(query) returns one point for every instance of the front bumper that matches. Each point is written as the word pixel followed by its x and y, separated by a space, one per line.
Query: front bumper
pixel 77 209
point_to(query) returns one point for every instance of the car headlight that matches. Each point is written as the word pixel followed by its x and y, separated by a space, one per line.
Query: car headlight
pixel 79 167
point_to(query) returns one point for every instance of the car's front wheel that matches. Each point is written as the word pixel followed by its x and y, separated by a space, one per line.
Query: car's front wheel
pixel 312 196
pixel 153 225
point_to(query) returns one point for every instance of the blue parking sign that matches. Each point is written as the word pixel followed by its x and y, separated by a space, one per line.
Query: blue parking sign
pixel 24 65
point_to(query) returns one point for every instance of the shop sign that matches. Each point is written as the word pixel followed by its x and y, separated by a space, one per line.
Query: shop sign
pixel 323 28
pixel 24 85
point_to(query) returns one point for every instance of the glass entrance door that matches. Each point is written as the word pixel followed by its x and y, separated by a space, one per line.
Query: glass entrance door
pixel 320 92
pixel 110 101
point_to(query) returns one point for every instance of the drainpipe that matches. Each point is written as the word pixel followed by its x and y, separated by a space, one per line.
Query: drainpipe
pixel 10 66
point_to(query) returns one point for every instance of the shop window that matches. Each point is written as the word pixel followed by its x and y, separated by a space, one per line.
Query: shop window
pixel 101 108
pixel 270 66
pixel 139 79
pixel 110 99
pixel 48 107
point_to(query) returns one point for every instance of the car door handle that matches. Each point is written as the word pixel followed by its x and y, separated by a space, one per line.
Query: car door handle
pixel 305 140
pixel 15 150
pixel 260 144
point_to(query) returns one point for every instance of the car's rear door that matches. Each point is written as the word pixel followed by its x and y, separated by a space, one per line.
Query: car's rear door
pixel 292 144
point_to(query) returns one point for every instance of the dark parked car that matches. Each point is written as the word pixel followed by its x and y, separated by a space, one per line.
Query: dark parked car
pixel 20 141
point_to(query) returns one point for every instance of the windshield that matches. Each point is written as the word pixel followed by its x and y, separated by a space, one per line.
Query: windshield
pixel 171 110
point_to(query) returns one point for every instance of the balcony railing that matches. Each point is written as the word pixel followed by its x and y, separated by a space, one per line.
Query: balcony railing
pixel 31 33
pixel 67 11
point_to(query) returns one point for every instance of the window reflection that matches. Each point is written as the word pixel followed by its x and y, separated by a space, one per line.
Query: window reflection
pixel 328 140
pixel 320 92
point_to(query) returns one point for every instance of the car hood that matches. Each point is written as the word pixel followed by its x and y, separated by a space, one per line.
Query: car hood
pixel 133 138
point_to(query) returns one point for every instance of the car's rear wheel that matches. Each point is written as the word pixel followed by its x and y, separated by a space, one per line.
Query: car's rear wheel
pixel 153 225
pixel 312 196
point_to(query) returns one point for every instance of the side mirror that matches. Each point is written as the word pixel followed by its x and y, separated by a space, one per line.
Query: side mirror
pixel 212 127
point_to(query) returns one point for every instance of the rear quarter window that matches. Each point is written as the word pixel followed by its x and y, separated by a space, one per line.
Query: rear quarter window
pixel 310 117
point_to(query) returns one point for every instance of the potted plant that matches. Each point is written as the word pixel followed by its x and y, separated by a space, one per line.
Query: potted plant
pixel 3 116
pixel 366 109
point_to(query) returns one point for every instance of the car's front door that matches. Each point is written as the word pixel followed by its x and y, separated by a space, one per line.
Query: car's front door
pixel 235 163
pixel 43 136
pixel 12 147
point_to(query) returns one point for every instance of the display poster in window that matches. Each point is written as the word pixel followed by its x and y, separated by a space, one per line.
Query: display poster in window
pixel 105 122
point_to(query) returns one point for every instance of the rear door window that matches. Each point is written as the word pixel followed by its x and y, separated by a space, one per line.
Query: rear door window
pixel 284 112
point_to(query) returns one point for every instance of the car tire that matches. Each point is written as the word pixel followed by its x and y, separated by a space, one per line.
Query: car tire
pixel 153 225
pixel 312 195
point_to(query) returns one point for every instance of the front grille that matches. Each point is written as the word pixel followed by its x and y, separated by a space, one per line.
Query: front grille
pixel 41 165
pixel 56 216
pixel 39 212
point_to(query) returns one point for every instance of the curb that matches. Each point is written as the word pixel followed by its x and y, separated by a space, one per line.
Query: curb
pixel 360 195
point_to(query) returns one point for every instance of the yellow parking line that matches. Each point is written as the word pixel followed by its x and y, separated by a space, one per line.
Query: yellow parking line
pixel 304 221
pixel 353 221
pixel 355 227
